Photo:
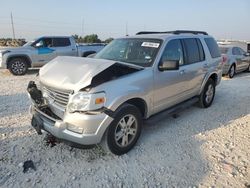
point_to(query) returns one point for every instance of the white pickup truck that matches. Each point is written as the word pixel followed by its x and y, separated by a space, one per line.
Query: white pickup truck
pixel 42 50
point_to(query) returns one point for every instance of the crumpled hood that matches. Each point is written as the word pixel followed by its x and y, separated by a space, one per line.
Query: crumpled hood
pixel 72 73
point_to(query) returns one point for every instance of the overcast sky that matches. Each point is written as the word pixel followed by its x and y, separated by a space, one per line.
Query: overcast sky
pixel 221 18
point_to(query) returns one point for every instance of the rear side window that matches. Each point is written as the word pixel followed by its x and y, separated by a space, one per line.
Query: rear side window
pixel 193 51
pixel 213 47
pixel 61 42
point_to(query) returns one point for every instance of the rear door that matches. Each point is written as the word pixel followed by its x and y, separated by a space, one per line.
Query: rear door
pixel 195 66
pixel 63 46
pixel 238 58
pixel 244 59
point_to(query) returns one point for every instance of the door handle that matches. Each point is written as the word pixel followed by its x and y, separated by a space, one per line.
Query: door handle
pixel 205 65
pixel 73 49
pixel 182 72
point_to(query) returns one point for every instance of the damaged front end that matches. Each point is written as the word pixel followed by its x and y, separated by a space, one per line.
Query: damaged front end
pixel 84 128
pixel 39 106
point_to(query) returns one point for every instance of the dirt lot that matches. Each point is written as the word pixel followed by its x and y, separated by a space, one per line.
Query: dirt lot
pixel 201 148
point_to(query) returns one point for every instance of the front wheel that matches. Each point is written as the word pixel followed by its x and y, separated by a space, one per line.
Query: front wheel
pixel 207 96
pixel 18 66
pixel 124 131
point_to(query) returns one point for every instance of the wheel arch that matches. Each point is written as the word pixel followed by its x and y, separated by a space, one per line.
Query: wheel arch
pixel 27 58
pixel 140 104
pixel 214 76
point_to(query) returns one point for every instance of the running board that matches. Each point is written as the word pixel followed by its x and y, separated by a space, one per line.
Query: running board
pixel 171 111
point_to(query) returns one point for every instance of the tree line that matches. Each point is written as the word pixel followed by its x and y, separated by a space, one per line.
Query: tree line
pixel 93 38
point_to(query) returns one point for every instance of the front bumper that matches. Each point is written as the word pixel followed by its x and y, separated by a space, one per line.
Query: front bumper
pixel 92 126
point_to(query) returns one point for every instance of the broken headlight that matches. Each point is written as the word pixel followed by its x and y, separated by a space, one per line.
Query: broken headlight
pixel 82 102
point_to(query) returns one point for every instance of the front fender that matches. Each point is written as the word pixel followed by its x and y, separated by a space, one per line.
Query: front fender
pixel 119 100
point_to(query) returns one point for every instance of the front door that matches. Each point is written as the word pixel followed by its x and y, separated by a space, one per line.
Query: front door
pixel 170 86
pixel 44 52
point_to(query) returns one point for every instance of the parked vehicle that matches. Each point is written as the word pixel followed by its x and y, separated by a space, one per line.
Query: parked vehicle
pixel 37 53
pixel 236 60
pixel 105 99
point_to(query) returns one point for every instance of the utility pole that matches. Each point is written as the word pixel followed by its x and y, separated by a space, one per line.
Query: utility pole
pixel 126 28
pixel 13 30
pixel 82 27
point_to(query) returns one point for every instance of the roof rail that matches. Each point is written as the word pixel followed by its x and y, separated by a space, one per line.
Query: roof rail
pixel 177 32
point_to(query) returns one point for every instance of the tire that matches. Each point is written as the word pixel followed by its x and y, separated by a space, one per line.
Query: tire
pixel 121 136
pixel 18 66
pixel 231 71
pixel 207 95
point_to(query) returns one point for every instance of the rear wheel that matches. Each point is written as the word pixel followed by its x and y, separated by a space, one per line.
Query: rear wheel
pixel 207 96
pixel 124 131
pixel 18 66
pixel 231 71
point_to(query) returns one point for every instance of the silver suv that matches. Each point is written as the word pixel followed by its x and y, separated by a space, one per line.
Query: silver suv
pixel 105 99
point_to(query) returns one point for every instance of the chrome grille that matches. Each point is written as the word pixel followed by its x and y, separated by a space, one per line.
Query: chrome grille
pixel 55 96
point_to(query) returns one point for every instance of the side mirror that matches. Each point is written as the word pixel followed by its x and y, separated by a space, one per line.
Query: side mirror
pixel 169 65
pixel 39 44
pixel 247 54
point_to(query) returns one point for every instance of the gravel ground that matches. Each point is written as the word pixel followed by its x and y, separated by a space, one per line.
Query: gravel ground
pixel 201 148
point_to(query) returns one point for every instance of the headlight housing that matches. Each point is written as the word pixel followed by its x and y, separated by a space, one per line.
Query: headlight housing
pixel 82 102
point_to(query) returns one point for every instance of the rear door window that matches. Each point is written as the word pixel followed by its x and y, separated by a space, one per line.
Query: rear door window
pixel 242 52
pixel 192 50
pixel 61 42
pixel 213 47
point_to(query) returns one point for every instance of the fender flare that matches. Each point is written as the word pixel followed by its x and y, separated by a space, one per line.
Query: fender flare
pixel 206 79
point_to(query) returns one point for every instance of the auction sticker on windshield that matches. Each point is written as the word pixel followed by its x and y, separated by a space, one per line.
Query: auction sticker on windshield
pixel 151 44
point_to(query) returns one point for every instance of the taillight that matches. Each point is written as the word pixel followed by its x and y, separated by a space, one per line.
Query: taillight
pixel 224 59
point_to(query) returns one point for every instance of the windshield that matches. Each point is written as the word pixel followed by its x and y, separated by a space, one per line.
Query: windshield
pixel 223 50
pixel 135 51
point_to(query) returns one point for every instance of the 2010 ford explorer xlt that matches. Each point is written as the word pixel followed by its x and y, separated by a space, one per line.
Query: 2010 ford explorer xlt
pixel 104 99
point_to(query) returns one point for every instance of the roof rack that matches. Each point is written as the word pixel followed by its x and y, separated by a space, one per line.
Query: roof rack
pixel 177 32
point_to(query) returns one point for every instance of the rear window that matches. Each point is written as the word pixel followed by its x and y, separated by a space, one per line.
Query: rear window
pixel 223 50
pixel 61 42
pixel 213 47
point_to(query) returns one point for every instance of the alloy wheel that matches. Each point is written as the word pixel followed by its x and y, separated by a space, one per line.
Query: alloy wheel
pixel 125 131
